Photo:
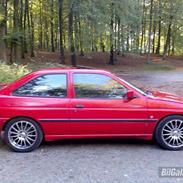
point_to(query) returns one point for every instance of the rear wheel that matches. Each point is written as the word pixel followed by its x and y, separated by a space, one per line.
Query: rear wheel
pixel 23 135
pixel 169 133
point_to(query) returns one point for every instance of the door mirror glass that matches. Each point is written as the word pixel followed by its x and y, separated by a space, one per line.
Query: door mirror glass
pixel 130 95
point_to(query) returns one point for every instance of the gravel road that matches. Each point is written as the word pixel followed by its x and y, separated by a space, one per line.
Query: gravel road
pixel 97 161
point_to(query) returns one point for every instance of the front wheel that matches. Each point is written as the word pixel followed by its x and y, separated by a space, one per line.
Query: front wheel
pixel 169 133
pixel 23 135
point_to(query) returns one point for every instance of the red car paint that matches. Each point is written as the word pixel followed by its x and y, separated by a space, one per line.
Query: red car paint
pixel 60 119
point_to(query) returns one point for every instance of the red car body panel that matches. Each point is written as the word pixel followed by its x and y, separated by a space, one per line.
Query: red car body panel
pixel 59 118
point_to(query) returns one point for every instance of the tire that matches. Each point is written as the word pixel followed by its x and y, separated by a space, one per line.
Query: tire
pixel 23 135
pixel 169 133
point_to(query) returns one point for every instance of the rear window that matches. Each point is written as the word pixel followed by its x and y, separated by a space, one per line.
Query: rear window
pixel 48 85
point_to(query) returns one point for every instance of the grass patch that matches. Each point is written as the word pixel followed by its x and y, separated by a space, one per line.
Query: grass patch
pixel 9 73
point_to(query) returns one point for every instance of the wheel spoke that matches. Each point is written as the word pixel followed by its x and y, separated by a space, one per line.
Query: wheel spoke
pixel 30 138
pixel 168 137
pixel 167 130
pixel 180 123
pixel 22 125
pixel 170 140
pixel 172 125
pixel 14 136
pixel 31 131
pixel 29 128
pixel 13 132
pixel 177 142
pixel 181 129
pixel 15 129
pixel 32 135
pixel 25 127
pixel 18 127
pixel 168 127
pixel 28 141
pixel 175 123
pixel 16 139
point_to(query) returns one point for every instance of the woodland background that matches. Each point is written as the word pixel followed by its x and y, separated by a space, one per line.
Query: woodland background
pixel 80 27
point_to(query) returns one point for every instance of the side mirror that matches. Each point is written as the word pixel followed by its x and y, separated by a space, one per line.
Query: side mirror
pixel 130 95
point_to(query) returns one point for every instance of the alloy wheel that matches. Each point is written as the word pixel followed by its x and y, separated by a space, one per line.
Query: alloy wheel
pixel 22 134
pixel 172 133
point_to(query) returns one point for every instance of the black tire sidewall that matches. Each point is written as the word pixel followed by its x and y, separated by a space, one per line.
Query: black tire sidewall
pixel 34 146
pixel 158 132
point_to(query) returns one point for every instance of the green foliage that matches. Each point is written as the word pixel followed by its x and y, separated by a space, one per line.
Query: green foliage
pixel 1 13
pixel 13 37
pixel 9 73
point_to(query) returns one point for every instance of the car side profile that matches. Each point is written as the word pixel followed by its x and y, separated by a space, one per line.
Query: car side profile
pixel 72 103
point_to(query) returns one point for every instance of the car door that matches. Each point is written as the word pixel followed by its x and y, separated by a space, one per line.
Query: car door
pixel 99 107
pixel 45 99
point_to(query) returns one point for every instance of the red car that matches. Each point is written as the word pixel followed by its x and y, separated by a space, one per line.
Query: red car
pixel 82 103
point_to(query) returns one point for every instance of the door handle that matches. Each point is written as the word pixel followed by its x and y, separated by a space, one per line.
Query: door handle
pixel 79 106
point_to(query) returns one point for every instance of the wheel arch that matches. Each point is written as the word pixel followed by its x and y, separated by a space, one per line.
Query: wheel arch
pixel 159 121
pixel 27 117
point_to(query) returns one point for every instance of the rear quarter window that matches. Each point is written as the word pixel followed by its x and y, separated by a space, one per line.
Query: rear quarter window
pixel 48 85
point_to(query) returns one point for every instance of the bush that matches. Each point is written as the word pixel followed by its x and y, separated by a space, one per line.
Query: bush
pixel 9 73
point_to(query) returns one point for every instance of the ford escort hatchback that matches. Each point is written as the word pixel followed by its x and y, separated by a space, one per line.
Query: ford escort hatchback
pixel 71 103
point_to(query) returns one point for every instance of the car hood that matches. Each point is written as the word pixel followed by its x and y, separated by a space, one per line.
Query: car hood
pixel 165 96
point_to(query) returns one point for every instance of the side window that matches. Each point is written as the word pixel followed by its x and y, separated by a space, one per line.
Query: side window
pixel 48 85
pixel 97 86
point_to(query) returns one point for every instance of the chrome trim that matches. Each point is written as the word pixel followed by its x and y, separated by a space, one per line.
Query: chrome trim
pixel 98 120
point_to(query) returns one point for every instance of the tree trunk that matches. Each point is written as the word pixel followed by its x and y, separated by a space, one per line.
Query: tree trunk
pixel 30 26
pixel 122 40
pixel 71 38
pixel 3 32
pixel 46 35
pixel 25 28
pixel 127 41
pixel 173 46
pixel 52 27
pixel 13 57
pixel 32 32
pixel 6 18
pixel 76 30
pixel 111 60
pixel 150 29
pixel 40 44
pixel 143 27
pixel 154 36
pixel 159 29
pixel 62 57
pixel 119 36
pixel 21 27
pixel 102 46
pixel 80 38
pixel 167 43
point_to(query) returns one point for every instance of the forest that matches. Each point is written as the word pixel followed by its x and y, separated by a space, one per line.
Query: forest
pixel 78 27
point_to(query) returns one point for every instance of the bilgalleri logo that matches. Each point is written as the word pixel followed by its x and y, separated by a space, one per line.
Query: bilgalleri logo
pixel 171 172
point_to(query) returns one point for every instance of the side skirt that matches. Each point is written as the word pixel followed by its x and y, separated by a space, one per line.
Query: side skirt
pixel 99 136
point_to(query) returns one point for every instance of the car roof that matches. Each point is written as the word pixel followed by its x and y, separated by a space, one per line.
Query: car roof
pixel 53 70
